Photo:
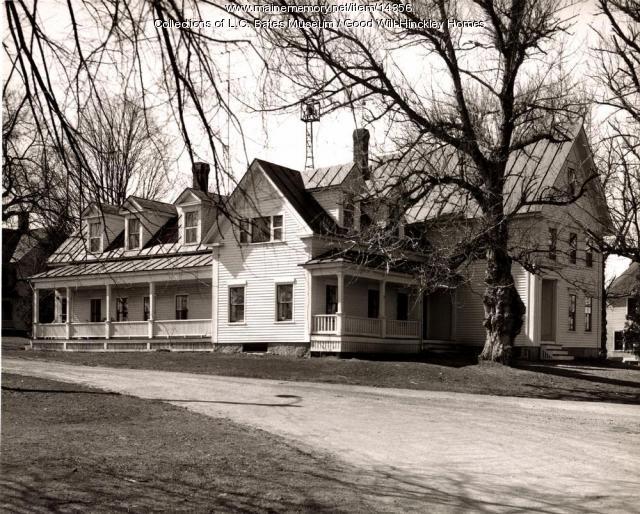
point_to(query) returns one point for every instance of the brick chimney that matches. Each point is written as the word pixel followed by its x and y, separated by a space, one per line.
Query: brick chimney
pixel 361 151
pixel 23 221
pixel 201 176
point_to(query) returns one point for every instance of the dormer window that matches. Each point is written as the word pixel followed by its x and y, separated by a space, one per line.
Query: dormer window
pixel 134 236
pixel 191 222
pixel 95 237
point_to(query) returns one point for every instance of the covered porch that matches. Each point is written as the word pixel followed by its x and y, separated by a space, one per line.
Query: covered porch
pixel 356 309
pixel 120 312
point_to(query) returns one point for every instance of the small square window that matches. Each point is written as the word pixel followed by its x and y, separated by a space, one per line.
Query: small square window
pixel 236 304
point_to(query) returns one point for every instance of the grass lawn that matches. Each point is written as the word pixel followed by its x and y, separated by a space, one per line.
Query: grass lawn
pixel 67 448
pixel 590 382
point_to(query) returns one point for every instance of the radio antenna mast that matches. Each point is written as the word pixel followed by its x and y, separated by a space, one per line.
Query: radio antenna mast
pixel 309 113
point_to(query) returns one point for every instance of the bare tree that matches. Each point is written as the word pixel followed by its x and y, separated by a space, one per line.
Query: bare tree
pixel 619 75
pixel 473 94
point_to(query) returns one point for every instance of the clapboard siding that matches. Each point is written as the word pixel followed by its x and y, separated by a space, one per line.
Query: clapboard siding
pixel 260 266
pixel 331 201
pixel 468 308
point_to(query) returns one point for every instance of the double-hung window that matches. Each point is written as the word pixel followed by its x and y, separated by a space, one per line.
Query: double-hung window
pixel 63 310
pixel 553 243
pixel 588 256
pixel 284 299
pixel 573 248
pixel 572 312
pixel 331 299
pixel 191 220
pixel 133 240
pixel 122 309
pixel 588 313
pixel 182 306
pixel 95 237
pixel 236 304
pixel 96 310
pixel 146 308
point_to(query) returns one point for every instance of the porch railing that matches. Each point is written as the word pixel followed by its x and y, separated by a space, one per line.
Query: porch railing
pixel 183 328
pixel 324 324
pixel 129 329
pixel 403 328
pixel 362 326
pixel 87 330
pixel 51 331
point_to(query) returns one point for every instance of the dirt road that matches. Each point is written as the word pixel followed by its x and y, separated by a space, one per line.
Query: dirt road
pixel 444 451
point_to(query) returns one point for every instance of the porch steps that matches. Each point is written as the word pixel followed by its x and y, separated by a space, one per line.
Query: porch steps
pixel 554 352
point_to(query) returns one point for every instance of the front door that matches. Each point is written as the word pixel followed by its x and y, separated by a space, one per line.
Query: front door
pixel 437 325
pixel 548 310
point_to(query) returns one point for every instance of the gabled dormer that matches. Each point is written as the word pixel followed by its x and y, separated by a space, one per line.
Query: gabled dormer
pixel 196 208
pixel 101 224
pixel 143 218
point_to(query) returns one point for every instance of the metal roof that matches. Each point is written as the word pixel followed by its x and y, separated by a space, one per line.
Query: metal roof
pixel 326 177
pixel 174 262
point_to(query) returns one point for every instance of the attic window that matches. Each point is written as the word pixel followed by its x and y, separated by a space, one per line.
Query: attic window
pixel 133 238
pixel 571 182
pixel 95 237
pixel 261 230
pixel 191 227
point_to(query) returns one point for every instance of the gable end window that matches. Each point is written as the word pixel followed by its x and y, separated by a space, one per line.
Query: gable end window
pixel 262 229
pixel 573 248
pixel 572 312
pixel 133 239
pixel 191 222
pixel 284 300
pixel 182 306
pixel 95 237
pixel 588 313
pixel 553 243
pixel 236 304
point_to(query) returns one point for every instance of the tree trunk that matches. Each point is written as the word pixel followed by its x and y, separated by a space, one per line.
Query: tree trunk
pixel 503 307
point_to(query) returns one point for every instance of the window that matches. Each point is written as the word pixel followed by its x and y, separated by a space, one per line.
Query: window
pixel 236 304
pixel 403 307
pixel 284 299
pixel 331 296
pixel 553 243
pixel 373 303
pixel 262 229
pixel 571 182
pixel 618 340
pixel 133 240
pixel 573 248
pixel 63 310
pixel 276 223
pixel 146 308
pixel 348 214
pixel 588 313
pixel 191 227
pixel 122 309
pixel 631 307
pixel 395 220
pixel 572 312
pixel 95 237
pixel 182 306
pixel 96 310
pixel 366 219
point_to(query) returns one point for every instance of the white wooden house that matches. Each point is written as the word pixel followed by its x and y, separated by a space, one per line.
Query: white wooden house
pixel 620 304
pixel 276 274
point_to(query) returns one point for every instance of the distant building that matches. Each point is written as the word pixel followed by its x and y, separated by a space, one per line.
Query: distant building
pixel 620 305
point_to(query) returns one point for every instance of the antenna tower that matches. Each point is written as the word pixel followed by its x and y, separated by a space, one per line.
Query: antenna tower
pixel 309 113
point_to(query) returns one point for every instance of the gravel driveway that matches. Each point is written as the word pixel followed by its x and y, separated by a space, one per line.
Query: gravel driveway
pixel 443 451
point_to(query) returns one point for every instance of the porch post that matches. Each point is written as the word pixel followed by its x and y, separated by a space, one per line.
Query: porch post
pixel 107 312
pixel 152 307
pixel 36 313
pixel 68 293
pixel 340 303
pixel 383 307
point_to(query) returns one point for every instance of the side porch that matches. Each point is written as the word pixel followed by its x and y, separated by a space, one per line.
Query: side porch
pixel 360 310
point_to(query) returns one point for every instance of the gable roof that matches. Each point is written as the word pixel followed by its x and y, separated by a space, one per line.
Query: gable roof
pixel 624 284
pixel 150 205
pixel 201 195
pixel 291 185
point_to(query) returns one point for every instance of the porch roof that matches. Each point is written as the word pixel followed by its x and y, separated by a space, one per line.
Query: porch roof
pixel 169 263
pixel 367 260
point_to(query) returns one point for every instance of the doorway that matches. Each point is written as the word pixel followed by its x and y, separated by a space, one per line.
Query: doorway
pixel 548 310
pixel 437 316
